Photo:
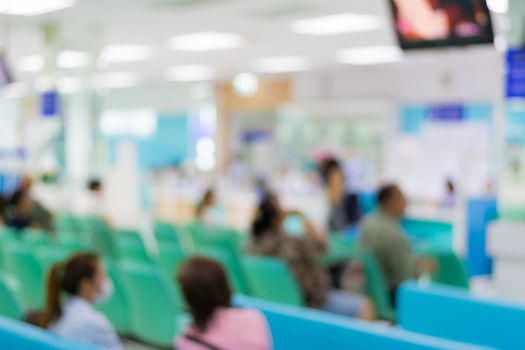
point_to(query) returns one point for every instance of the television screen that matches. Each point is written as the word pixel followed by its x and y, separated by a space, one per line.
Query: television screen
pixel 438 23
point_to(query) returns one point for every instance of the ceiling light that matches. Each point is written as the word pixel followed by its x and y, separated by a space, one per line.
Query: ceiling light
pixel 115 80
pixel 498 6
pixel 370 55
pixel 246 84
pixel 15 90
pixel 73 59
pixel 33 63
pixel 33 7
pixel 191 73
pixel 205 41
pixel 281 64
pixel 125 53
pixel 336 24
pixel 71 85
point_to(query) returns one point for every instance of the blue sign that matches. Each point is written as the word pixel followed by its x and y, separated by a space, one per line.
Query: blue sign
pixel 447 113
pixel 49 104
pixel 515 77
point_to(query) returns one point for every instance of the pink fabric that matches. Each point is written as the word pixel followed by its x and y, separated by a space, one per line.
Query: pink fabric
pixel 231 329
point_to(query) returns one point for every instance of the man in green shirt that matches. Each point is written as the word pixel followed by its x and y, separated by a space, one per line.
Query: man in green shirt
pixel 381 233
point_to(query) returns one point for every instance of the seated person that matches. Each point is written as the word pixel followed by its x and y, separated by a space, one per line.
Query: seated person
pixel 19 213
pixel 42 217
pixel 344 206
pixel 83 279
pixel 204 211
pixel 381 233
pixel 216 324
pixel 303 255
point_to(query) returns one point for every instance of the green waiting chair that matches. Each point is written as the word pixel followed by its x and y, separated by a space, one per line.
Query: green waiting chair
pixel 130 246
pixel 67 222
pixel 36 238
pixel 22 263
pixel 117 308
pixel 170 258
pixel 49 256
pixel 74 241
pixel 166 233
pixel 451 271
pixel 376 286
pixel 156 316
pixel 10 305
pixel 271 279
pixel 232 266
pixel 6 235
pixel 100 236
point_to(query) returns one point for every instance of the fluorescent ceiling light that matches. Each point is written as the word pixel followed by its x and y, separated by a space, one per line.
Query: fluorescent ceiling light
pixel 128 122
pixel 281 64
pixel 115 80
pixel 246 84
pixel 70 85
pixel 370 55
pixel 205 41
pixel 15 90
pixel 33 7
pixel 69 59
pixel 125 53
pixel 33 63
pixel 191 73
pixel 498 6
pixel 336 24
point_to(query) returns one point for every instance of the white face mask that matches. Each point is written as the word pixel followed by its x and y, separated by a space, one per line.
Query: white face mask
pixel 105 292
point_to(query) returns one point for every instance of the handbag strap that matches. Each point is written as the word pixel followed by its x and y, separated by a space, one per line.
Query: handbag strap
pixel 200 341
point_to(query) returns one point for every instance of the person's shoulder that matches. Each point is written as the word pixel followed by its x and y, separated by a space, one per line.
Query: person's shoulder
pixel 243 315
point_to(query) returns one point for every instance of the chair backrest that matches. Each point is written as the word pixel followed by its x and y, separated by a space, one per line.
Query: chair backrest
pixel 11 306
pixel 130 246
pixel 117 308
pixel 232 266
pixel 67 222
pixel 453 313
pixel 21 336
pixel 306 329
pixel 22 263
pixel 170 258
pixel 451 270
pixel 271 279
pixel 154 307
pixel 50 255
pixel 36 238
pixel 165 233
pixel 100 236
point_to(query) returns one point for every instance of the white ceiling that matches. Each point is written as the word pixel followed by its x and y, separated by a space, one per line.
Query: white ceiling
pixel 265 25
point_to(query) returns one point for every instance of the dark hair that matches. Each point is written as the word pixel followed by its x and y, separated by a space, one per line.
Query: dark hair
pixel 17 197
pixel 66 276
pixel 327 166
pixel 208 195
pixel 205 287
pixel 385 192
pixel 94 185
pixel 267 213
pixel 450 186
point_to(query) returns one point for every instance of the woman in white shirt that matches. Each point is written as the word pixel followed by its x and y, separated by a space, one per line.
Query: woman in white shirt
pixel 84 281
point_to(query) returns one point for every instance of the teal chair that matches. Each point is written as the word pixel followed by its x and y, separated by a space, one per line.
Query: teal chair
pixel 450 270
pixel 166 233
pixel 67 222
pixel 100 236
pixel 74 241
pixel 22 263
pixel 271 279
pixel 156 314
pixel 340 247
pixel 117 308
pixel 232 266
pixel 376 285
pixel 6 235
pixel 130 246
pixel 170 258
pixel 36 238
pixel 11 306
pixel 49 256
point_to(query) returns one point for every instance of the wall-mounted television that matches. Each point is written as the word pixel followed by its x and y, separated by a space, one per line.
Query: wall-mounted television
pixel 440 23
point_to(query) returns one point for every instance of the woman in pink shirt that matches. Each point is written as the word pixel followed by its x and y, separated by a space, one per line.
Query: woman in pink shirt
pixel 216 324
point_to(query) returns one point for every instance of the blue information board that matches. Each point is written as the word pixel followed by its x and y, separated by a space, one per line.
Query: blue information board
pixel 49 104
pixel 515 73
